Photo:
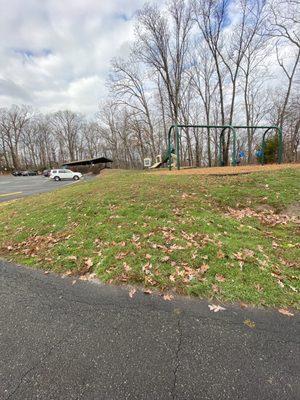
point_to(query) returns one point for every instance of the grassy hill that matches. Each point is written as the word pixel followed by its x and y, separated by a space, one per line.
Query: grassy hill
pixel 232 238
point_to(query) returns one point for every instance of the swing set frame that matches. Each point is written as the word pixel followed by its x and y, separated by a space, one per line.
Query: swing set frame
pixel 231 128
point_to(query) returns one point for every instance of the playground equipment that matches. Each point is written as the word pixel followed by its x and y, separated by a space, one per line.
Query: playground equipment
pixel 147 162
pixel 169 156
pixel 231 128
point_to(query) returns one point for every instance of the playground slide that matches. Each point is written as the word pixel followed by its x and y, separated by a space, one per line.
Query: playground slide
pixel 163 160
pixel 156 165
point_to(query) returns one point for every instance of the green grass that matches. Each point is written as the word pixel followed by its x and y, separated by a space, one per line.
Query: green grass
pixel 158 230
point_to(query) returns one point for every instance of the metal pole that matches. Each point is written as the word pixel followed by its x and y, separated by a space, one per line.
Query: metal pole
pixel 169 148
pixel 221 150
pixel 177 146
pixel 234 147
pixel 263 147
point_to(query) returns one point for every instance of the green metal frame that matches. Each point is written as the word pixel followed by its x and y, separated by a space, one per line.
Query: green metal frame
pixel 222 141
pixel 177 139
pixel 268 128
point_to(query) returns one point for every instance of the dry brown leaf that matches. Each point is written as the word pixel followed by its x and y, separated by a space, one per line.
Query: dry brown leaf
pixel 243 305
pixel 285 312
pixel 220 254
pixel 147 268
pixel 148 256
pixel 168 297
pixel 216 308
pixel 215 288
pixel 220 278
pixel 259 288
pixel 281 284
pixel 249 323
pixel 204 268
pixel 121 255
pixel 126 267
pixel 132 292
pixel 47 272
pixel 123 278
pixel 150 280
pixel 91 276
pixel 147 291
pixel 72 258
pixel 165 259
pixel 88 263
pixel 68 273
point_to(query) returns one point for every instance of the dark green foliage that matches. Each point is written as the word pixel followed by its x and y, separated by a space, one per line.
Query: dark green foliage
pixel 271 150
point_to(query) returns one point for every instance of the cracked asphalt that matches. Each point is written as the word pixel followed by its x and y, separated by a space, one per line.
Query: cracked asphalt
pixel 60 340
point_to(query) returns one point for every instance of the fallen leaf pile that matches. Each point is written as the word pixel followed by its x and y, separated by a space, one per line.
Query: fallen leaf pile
pixel 84 272
pixel 267 217
pixel 35 244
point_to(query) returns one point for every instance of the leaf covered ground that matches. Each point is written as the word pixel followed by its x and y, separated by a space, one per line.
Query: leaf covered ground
pixel 229 238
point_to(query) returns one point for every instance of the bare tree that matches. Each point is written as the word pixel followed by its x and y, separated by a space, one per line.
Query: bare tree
pixel 162 43
pixel 204 81
pixel 284 26
pixel 228 48
pixel 67 126
pixel 128 87
pixel 191 62
pixel 12 124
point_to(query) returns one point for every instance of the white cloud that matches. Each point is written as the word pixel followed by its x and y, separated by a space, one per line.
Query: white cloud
pixel 56 54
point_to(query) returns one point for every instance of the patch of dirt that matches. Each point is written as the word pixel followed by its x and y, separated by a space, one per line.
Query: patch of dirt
pixel 293 210
pixel 242 169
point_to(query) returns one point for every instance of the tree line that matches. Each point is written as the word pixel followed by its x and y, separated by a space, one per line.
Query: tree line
pixel 209 62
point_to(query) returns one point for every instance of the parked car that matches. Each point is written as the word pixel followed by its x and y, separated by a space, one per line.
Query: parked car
pixel 46 173
pixel 17 173
pixel 28 173
pixel 59 174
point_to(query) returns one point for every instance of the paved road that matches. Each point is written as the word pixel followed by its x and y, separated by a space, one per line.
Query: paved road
pixel 89 341
pixel 13 187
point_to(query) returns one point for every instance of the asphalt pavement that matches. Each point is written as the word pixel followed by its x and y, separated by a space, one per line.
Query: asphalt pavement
pixel 85 340
pixel 14 187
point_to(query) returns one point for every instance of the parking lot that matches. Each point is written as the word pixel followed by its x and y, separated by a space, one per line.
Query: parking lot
pixel 14 187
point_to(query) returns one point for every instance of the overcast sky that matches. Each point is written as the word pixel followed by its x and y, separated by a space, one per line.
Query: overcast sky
pixel 55 54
